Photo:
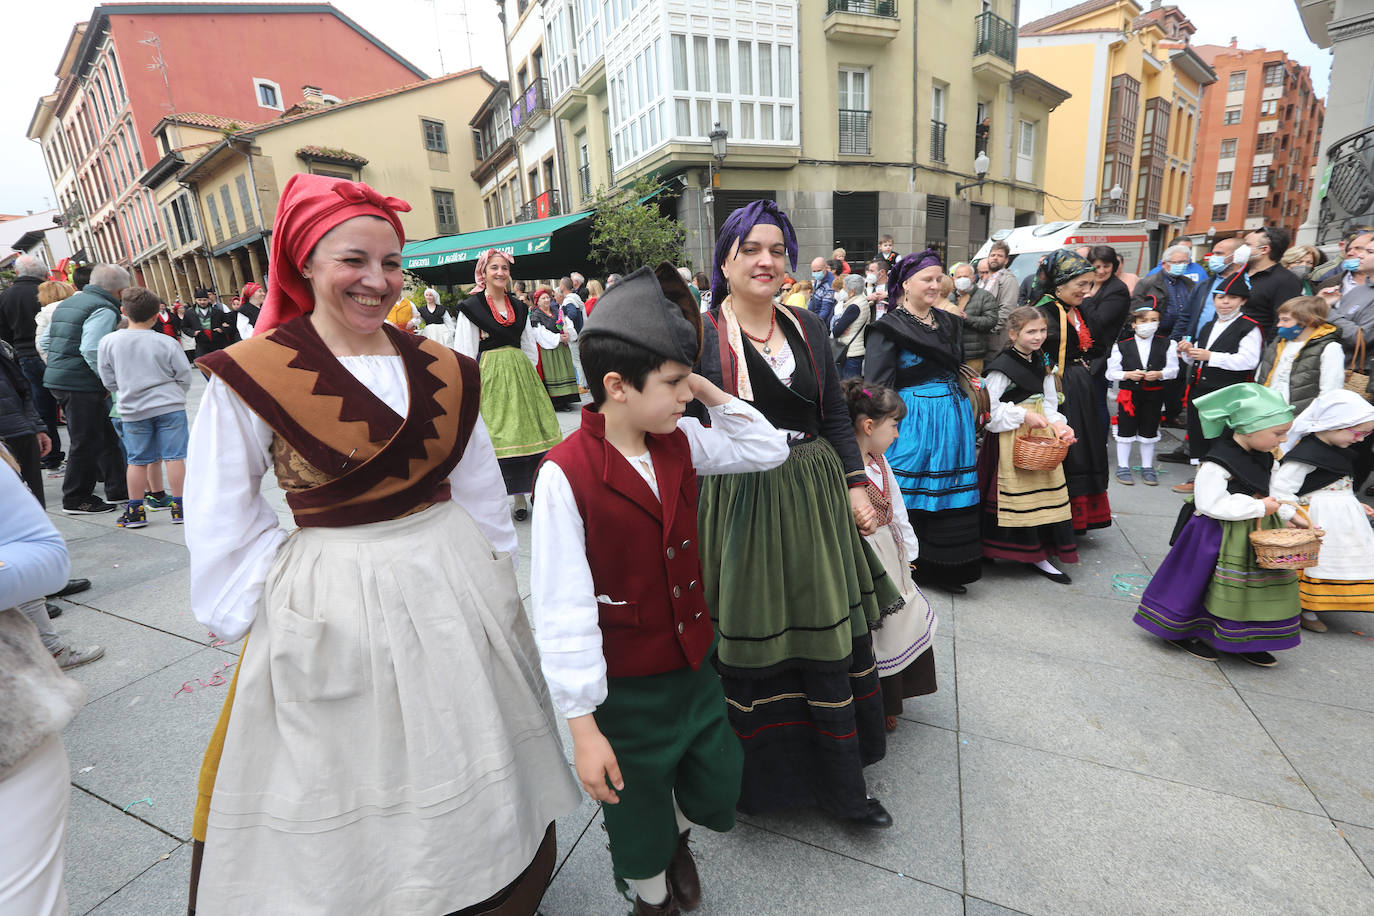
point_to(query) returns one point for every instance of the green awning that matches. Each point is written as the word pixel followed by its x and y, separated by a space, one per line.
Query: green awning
pixel 536 237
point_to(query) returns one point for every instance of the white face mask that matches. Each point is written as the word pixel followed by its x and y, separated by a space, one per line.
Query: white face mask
pixel 1241 255
pixel 1146 330
pixel 963 284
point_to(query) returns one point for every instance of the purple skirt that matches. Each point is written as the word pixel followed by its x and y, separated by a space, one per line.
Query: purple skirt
pixel 1172 606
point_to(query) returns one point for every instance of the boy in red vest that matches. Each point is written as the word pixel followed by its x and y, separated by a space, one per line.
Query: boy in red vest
pixel 622 625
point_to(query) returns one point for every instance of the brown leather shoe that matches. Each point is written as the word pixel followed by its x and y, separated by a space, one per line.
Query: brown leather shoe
pixel 668 907
pixel 683 883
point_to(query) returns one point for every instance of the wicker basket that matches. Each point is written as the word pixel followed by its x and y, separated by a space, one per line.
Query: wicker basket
pixel 1286 548
pixel 1038 453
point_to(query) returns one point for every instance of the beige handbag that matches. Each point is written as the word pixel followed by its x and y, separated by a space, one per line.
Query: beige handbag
pixel 1356 379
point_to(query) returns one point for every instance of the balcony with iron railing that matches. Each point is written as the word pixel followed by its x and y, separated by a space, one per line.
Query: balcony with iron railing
pixel 854 132
pixel 544 205
pixel 532 107
pixel 994 47
pixel 584 181
pixel 937 140
pixel 1349 199
pixel 873 21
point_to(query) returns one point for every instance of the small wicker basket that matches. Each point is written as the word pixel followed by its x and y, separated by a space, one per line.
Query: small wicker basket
pixel 1286 548
pixel 1038 453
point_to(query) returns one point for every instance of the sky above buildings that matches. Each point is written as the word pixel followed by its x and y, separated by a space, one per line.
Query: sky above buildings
pixel 468 33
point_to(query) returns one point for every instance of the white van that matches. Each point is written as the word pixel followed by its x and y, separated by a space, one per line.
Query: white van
pixel 1030 243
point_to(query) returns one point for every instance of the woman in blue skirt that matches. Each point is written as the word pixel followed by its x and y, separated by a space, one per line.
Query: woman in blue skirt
pixel 789 581
pixel 916 350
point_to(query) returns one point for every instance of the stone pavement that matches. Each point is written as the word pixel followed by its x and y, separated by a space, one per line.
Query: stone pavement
pixel 1069 763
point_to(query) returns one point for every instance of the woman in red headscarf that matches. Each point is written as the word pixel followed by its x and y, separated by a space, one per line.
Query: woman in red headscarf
pixel 249 307
pixel 387 744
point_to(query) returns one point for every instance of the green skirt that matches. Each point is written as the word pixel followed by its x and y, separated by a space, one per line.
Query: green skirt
pixel 515 407
pixel 1241 589
pixel 788 577
pixel 560 379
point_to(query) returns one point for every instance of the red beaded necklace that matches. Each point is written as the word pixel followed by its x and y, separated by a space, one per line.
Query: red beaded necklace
pixel 772 323
pixel 506 320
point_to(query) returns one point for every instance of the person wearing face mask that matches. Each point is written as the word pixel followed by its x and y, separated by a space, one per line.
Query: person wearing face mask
pixel 1300 261
pixel 850 326
pixel 822 302
pixel 1171 289
pixel 1142 365
pixel 1305 358
pixel 1328 272
pixel 1271 284
pixel 979 309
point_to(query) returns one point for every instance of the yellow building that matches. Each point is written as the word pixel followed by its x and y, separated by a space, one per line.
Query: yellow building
pixel 1123 146
pixel 218 183
pixel 860 117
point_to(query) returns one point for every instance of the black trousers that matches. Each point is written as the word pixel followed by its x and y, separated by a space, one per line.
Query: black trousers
pixel 25 450
pixel 47 406
pixel 1174 390
pixel 94 451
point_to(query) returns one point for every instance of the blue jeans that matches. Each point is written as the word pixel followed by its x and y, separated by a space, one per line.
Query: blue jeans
pixel 853 368
pixel 160 438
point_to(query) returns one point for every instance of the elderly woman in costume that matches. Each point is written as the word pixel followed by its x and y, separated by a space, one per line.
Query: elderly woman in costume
pixel 387 744
pixel 1062 281
pixel 553 333
pixel 493 327
pixel 792 586
pixel 916 349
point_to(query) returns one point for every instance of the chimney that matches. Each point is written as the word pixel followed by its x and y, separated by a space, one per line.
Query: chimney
pixel 1233 41
pixel 314 95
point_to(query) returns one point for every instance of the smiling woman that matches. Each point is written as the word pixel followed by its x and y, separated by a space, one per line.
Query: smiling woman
pixel 374 435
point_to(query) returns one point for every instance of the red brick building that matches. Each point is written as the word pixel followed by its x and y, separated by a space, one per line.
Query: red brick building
pixel 1258 139
pixel 133 64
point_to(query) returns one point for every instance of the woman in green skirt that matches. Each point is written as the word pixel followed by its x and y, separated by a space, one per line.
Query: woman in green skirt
pixel 555 365
pixel 792 586
pixel 493 327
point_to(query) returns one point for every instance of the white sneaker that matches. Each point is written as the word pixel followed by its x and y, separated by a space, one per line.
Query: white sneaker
pixel 72 657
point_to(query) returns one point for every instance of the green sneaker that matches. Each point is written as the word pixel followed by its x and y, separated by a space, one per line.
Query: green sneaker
pixel 157 503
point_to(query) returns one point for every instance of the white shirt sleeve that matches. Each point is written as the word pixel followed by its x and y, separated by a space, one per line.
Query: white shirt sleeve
pixel 900 519
pixel 1170 361
pixel 479 488
pixel 1114 369
pixel 1331 375
pixel 564 600
pixel 739 440
pixel 1051 405
pixel 1004 415
pixel 231 530
pixel 528 345
pixel 466 338
pixel 1246 357
pixel 1211 498
pixel 1285 482
pixel 543 337
pixel 244 327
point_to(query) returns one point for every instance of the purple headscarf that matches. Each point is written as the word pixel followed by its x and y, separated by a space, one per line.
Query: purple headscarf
pixel 738 225
pixel 905 268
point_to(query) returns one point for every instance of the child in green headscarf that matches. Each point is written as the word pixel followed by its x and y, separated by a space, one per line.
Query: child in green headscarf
pixel 1210 594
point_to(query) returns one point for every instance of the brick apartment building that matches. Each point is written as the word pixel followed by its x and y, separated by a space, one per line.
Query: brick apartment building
pixel 1258 141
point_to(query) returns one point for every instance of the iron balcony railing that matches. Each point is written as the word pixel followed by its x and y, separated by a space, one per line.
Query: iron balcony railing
pixel 530 210
pixel 937 140
pixel 854 131
pixel 532 102
pixel 885 8
pixel 1349 200
pixel 584 181
pixel 995 36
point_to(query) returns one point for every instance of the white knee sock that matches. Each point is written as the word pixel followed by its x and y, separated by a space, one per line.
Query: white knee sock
pixel 1147 454
pixel 1123 453
pixel 652 890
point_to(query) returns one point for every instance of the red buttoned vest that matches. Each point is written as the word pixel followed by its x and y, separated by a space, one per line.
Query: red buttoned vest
pixel 642 551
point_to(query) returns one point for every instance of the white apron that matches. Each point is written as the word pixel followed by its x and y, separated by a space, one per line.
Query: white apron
pixel 1347 550
pixel 391 747
pixel 903 636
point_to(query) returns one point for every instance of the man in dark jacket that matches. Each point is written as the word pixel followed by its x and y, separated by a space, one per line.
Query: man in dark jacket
pixel 18 306
pixel 1271 284
pixel 822 302
pixel 73 348
pixel 20 426
pixel 1171 287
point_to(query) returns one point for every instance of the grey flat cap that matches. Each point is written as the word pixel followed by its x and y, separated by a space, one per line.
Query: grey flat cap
pixel 651 308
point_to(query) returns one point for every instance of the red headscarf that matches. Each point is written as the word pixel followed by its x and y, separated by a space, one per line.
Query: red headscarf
pixel 248 290
pixel 310 206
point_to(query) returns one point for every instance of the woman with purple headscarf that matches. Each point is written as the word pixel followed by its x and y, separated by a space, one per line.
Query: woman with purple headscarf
pixel 494 328
pixel 792 586
pixel 916 349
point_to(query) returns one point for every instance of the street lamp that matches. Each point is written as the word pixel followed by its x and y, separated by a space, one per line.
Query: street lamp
pixel 719 147
pixel 1211 231
pixel 1188 212
pixel 981 164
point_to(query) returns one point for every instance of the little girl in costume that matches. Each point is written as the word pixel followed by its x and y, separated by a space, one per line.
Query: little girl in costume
pixel 1141 364
pixel 1317 470
pixel 1026 514
pixel 901 643
pixel 1210 594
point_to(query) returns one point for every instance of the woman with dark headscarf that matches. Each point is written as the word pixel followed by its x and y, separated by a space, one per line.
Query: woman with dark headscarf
pixel 386 744
pixel 916 349
pixel 493 327
pixel 1062 281
pixel 789 580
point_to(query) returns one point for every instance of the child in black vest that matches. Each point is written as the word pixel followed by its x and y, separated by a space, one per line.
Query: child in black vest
pixel 619 606
pixel 1140 365
pixel 1226 352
